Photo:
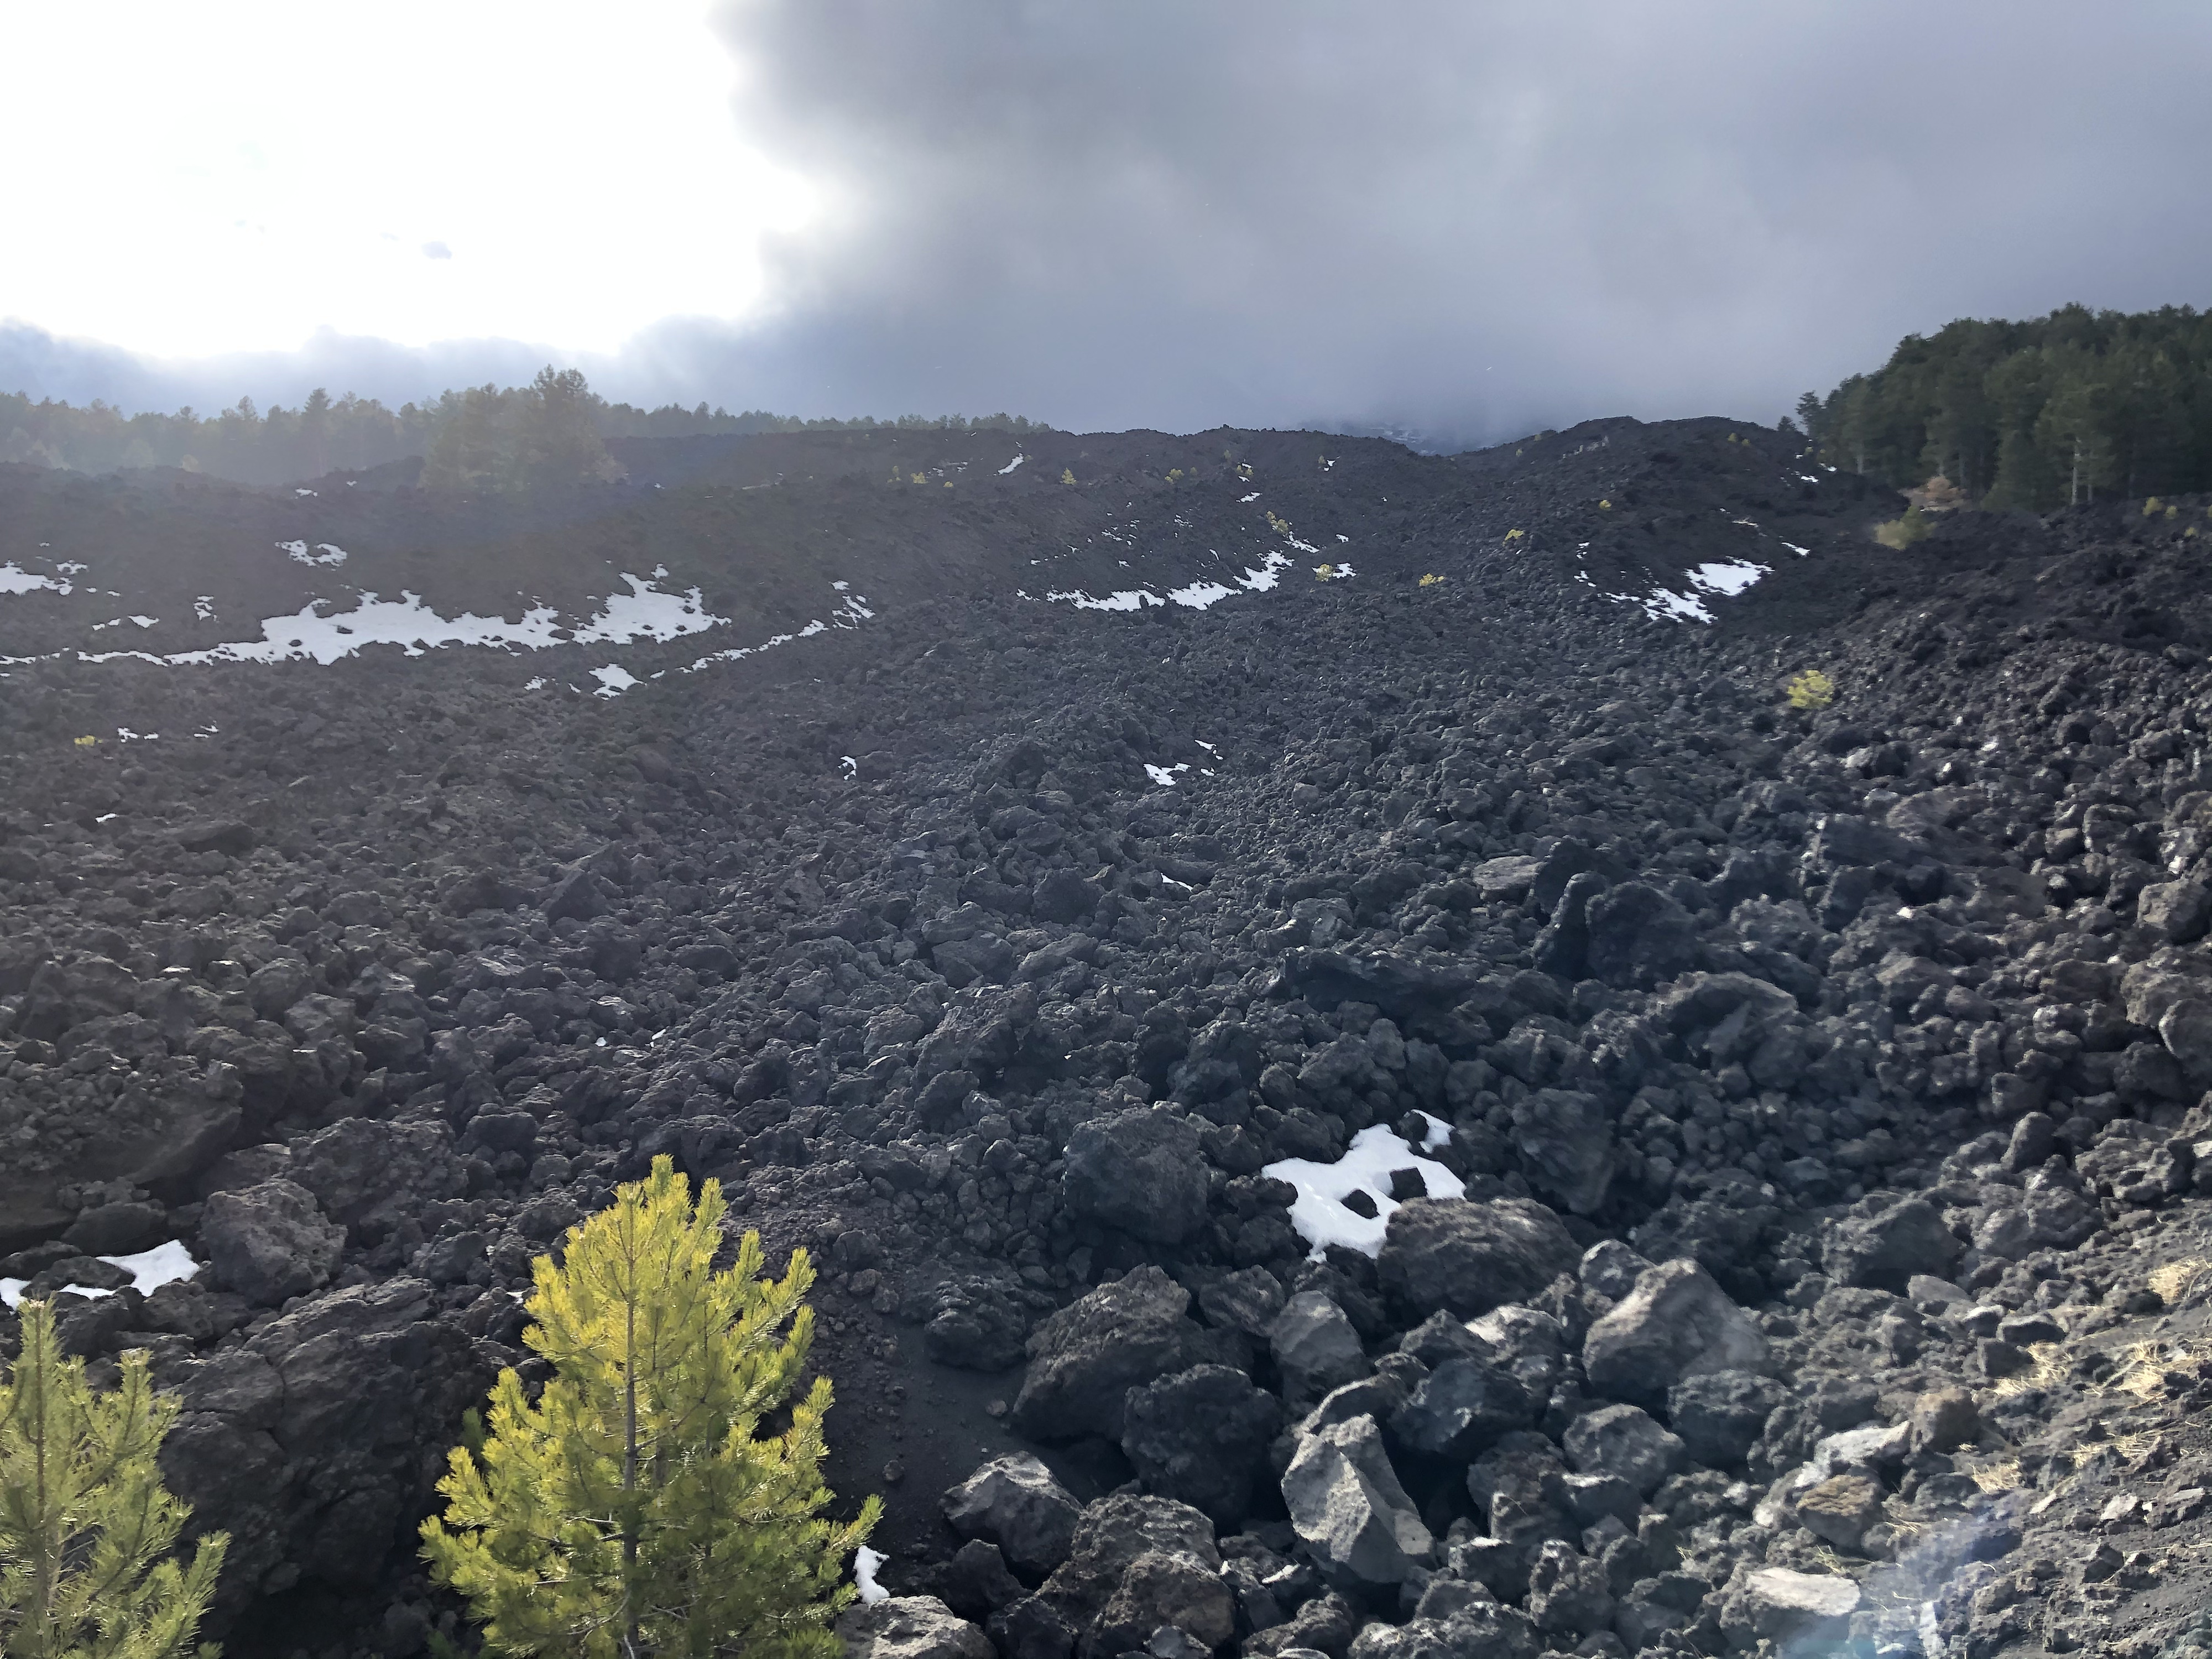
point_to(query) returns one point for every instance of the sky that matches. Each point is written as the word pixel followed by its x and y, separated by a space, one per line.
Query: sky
pixel 1460 220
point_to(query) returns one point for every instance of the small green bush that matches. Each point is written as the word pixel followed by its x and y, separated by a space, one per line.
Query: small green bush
pixel 1811 690
pixel 1901 533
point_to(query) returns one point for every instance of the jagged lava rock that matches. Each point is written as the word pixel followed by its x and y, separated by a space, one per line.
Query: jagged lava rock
pixel 1469 1256
pixel 1676 1323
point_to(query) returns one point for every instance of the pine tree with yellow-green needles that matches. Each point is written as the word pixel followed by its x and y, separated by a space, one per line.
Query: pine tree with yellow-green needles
pixel 86 1527
pixel 636 1509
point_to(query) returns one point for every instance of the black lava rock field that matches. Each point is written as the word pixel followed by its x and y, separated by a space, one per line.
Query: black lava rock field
pixel 1361 1080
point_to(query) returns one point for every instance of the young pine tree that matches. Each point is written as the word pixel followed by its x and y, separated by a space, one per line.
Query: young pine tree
pixel 85 1526
pixel 637 1509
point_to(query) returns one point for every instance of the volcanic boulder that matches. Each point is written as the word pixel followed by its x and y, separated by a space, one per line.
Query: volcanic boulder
pixel 1676 1323
pixel 1142 1170
pixel 1084 1359
pixel 1470 1257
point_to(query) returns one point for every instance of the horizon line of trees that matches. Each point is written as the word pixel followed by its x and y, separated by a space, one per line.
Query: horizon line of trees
pixel 2055 411
pixel 246 445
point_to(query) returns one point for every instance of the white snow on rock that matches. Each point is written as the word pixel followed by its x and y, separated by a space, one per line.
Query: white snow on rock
pixel 405 622
pixel 13 579
pixel 614 679
pixel 1319 1214
pixel 646 612
pixel 1165 777
pixel 1664 602
pixel 165 1264
pixel 1126 599
pixel 643 612
pixel 1195 596
pixel 1732 577
pixel 852 610
pixel 323 553
pixel 1727 577
pixel 866 1561
pixel 1003 470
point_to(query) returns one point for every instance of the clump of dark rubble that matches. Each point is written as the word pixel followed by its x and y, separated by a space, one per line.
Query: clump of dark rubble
pixel 1824 1087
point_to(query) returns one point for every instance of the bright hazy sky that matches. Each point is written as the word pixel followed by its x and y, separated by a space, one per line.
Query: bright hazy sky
pixel 220 177
pixel 1468 218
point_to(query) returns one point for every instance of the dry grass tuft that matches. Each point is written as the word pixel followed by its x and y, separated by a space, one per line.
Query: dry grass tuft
pixel 1998 1477
pixel 2174 1280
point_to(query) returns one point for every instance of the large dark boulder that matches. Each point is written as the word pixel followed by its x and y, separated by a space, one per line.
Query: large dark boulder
pixel 1638 936
pixel 308 1444
pixel 369 1176
pixel 1400 985
pixel 1462 1407
pixel 1677 1322
pixel 1142 1170
pixel 1721 1414
pixel 1014 1503
pixel 1063 895
pixel 1470 1257
pixel 974 1322
pixel 1112 1536
pixel 1084 1359
pixel 1201 1436
pixel 270 1243
pixel 1564 1137
pixel 1884 1244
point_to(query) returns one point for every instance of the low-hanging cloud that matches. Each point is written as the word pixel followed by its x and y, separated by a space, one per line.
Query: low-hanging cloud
pixel 1469 221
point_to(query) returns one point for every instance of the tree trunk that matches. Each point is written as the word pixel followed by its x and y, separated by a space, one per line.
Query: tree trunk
pixel 629 1478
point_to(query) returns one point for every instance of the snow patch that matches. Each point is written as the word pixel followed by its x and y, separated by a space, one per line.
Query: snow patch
pixel 323 553
pixel 866 1561
pixel 1195 596
pixel 165 1264
pixel 850 613
pixel 406 622
pixel 1319 1213
pixel 1665 602
pixel 645 612
pixel 13 579
pixel 1003 470
pixel 1732 577
pixel 1165 777
pixel 614 679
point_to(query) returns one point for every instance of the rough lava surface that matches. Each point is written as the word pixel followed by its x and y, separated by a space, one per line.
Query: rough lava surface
pixel 1747 1165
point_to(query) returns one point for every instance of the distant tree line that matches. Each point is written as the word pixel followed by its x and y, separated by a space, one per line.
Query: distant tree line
pixel 2030 416
pixel 476 434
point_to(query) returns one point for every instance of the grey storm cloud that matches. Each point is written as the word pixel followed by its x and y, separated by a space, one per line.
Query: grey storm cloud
pixel 1465 221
